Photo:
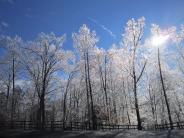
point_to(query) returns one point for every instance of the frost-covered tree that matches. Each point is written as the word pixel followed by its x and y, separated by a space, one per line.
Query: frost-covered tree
pixel 132 42
pixel 41 82
pixel 85 42
pixel 10 64
pixel 42 58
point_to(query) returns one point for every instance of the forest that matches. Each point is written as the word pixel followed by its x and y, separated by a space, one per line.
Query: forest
pixel 137 81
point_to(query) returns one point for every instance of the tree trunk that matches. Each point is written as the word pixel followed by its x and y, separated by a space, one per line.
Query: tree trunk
pixel 87 91
pixel 151 102
pixel 64 104
pixel 164 90
pixel 7 96
pixel 104 86
pixel 91 95
pixel 137 106
pixel 42 103
pixel 135 95
pixel 13 92
pixel 124 92
pixel 42 112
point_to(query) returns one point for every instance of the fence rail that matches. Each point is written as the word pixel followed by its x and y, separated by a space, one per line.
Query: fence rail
pixel 58 125
pixel 176 125
pixel 77 126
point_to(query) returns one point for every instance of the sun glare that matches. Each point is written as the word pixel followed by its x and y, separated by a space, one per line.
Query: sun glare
pixel 159 40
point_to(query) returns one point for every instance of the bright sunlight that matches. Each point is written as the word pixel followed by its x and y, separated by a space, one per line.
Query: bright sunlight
pixel 159 40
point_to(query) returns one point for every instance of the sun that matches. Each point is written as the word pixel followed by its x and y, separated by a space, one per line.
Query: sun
pixel 159 40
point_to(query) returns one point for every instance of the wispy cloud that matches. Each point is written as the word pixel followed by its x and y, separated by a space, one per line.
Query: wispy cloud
pixel 109 31
pixel 103 27
pixel 3 25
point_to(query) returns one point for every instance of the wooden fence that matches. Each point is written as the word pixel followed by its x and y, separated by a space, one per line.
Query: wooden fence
pixel 58 125
pixel 176 125
pixel 78 126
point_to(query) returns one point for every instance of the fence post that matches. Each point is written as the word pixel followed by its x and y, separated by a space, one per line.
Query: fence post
pixel 51 125
pixel 178 125
pixel 71 125
pixel 85 126
pixel 24 125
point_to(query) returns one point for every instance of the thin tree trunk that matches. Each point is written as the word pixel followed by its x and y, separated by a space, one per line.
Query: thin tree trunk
pixel 128 116
pixel 42 100
pixel 91 95
pixel 104 86
pixel 13 92
pixel 151 102
pixel 64 104
pixel 137 106
pixel 42 112
pixel 155 107
pixel 87 90
pixel 135 96
pixel 7 96
pixel 164 90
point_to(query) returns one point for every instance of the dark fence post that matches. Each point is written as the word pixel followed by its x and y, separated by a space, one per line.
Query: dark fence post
pixel 85 126
pixel 52 125
pixel 24 125
pixel 71 125
pixel 178 125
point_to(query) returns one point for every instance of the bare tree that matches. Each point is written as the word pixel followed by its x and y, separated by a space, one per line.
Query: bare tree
pixel 11 61
pixel 164 91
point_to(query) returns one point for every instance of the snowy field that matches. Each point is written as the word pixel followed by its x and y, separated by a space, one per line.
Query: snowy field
pixel 93 134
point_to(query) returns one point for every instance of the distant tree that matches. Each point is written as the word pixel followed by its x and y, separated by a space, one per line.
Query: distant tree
pixel 10 63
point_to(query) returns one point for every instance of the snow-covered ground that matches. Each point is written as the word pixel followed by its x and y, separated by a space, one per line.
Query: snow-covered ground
pixel 93 134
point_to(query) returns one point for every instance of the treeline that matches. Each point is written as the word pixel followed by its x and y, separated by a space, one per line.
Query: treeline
pixel 130 83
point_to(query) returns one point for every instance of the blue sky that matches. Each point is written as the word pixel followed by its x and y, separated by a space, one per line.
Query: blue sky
pixel 27 18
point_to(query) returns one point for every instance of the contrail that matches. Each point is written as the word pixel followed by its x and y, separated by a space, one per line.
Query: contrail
pixel 103 27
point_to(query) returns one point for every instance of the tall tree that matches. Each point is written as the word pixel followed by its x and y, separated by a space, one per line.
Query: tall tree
pixel 44 57
pixel 85 41
pixel 11 63
pixel 132 41
pixel 157 31
pixel 164 91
